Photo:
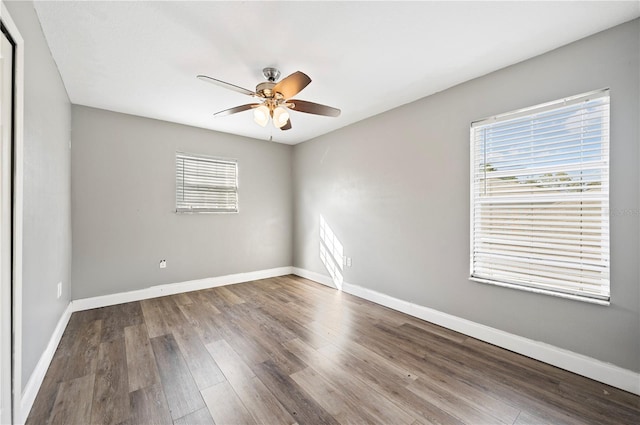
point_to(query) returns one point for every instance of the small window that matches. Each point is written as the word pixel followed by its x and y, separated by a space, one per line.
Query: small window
pixel 205 184
pixel 540 198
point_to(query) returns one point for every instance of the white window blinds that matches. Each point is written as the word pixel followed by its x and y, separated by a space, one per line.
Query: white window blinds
pixel 540 198
pixel 205 184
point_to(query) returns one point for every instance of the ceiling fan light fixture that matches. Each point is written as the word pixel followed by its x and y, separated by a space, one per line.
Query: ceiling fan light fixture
pixel 275 99
pixel 280 116
pixel 261 115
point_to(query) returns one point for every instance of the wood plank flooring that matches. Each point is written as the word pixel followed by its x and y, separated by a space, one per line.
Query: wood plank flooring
pixel 287 350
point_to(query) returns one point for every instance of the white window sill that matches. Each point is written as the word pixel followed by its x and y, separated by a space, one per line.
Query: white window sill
pixel 543 291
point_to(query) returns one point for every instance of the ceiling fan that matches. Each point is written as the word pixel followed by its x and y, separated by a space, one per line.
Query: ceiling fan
pixel 275 98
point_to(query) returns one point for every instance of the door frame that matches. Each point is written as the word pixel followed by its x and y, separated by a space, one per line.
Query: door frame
pixel 14 341
pixel 7 56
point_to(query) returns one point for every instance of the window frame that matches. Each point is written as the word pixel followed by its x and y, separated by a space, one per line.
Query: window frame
pixel 604 224
pixel 211 159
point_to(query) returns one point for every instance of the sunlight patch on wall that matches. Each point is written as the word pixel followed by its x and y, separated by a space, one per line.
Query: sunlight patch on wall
pixel 331 253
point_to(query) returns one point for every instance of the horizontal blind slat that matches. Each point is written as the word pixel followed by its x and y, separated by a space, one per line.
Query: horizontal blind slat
pixel 540 197
pixel 205 184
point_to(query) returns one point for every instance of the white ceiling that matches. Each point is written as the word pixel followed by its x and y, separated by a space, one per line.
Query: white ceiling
pixel 142 58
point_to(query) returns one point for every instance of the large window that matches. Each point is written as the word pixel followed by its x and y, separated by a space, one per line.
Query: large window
pixel 540 198
pixel 205 184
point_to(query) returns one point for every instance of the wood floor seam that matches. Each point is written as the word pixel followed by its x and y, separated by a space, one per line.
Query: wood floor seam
pixel 287 350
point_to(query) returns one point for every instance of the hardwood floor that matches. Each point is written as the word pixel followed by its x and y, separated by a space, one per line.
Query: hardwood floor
pixel 287 350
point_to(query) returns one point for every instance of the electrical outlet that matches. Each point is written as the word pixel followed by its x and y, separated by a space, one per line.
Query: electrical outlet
pixel 348 261
pixel 59 289
pixel 163 264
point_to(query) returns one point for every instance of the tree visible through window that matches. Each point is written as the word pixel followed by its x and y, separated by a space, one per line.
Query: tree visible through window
pixel 540 198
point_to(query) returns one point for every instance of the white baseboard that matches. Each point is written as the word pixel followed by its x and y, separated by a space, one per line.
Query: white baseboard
pixel 37 376
pixel 175 288
pixel 565 359
pixel 316 277
pixel 577 363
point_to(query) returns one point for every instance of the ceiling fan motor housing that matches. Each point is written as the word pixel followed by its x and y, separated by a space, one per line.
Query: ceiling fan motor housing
pixel 265 89
pixel 275 104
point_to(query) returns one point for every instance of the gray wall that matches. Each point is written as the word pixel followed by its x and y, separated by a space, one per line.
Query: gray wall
pixel 47 228
pixel 395 191
pixel 123 205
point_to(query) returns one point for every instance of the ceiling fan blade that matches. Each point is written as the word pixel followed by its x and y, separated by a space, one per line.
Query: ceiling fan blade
pixel 292 85
pixel 313 108
pixel 226 85
pixel 287 126
pixel 236 109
